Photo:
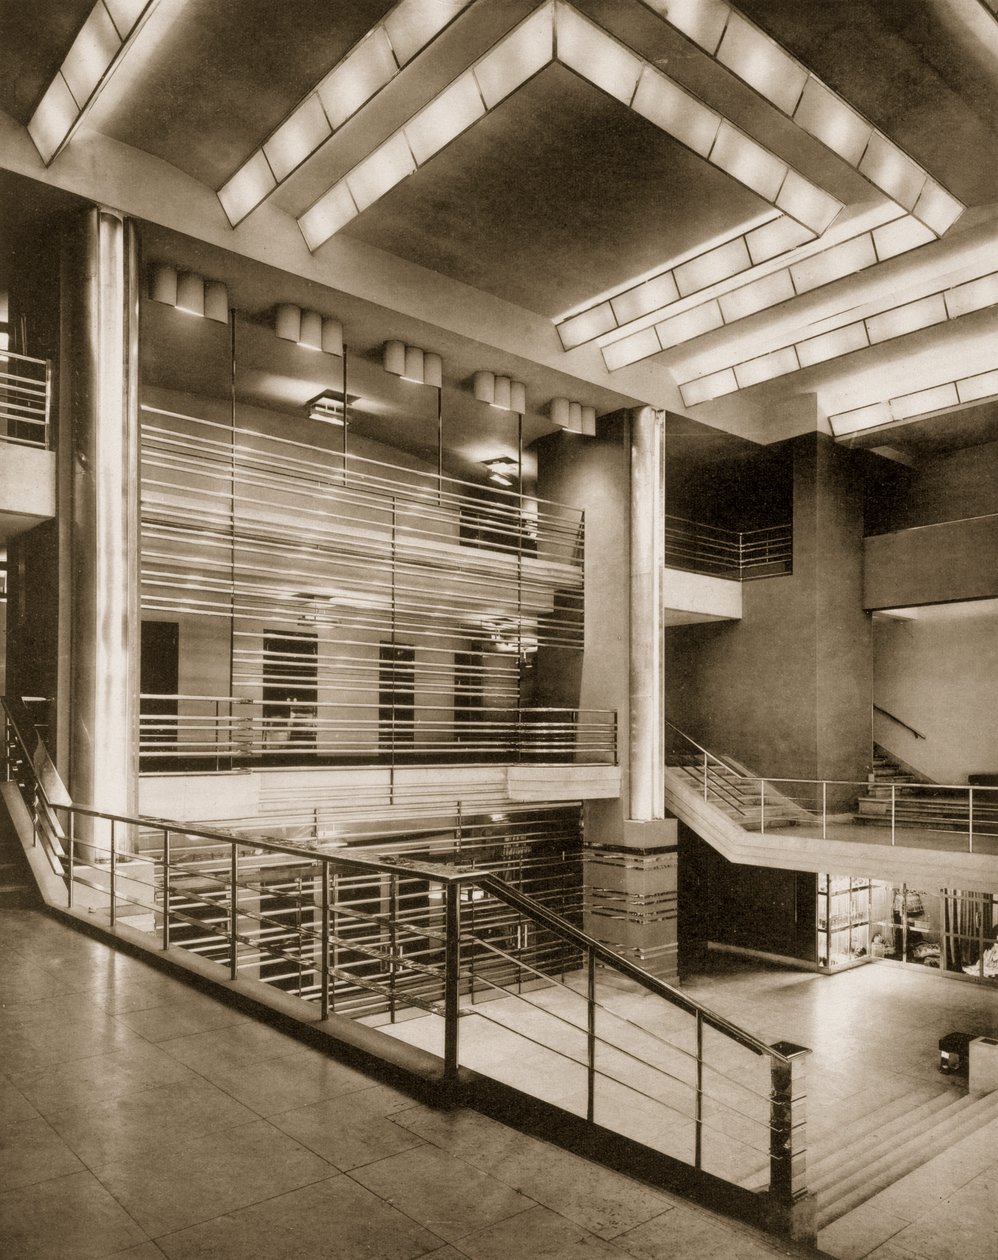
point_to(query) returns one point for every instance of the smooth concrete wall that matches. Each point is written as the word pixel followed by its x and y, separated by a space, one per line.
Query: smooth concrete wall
pixel 593 474
pixel 951 487
pixel 787 689
pixel 932 564
pixel 939 673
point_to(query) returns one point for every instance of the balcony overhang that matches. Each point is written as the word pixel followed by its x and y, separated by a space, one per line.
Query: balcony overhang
pixel 692 598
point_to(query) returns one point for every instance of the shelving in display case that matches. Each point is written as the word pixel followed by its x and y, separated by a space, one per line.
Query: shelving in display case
pixel 849 907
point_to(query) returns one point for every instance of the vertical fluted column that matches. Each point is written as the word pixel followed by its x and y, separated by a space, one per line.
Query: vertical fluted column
pixel 646 794
pixel 105 527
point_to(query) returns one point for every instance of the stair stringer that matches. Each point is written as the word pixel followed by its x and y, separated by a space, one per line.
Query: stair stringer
pixel 802 848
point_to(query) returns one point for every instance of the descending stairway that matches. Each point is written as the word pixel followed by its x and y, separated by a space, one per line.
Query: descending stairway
pixel 887 1144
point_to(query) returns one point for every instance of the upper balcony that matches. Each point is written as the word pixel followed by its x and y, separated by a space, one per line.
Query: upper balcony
pixel 27 464
pixel 706 564
pixel 306 609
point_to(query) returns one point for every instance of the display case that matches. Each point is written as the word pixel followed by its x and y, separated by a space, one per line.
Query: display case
pixel 849 907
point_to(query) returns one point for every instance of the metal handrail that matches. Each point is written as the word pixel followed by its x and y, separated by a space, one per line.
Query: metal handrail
pixel 893 718
pixel 704 548
pixel 307 729
pixel 525 905
pixel 25 399
pixel 976 810
pixel 235 935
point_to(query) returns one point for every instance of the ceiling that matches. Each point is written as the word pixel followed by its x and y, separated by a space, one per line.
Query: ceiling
pixel 560 194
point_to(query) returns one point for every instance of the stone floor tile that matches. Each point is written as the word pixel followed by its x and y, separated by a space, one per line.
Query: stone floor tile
pixel 538 1232
pixel 30 1151
pixel 245 1042
pixel 348 1131
pixel 133 1126
pixel 96 1079
pixel 13 1104
pixel 294 1078
pixel 335 1219
pixel 181 1016
pixel 442 1192
pixel 71 1216
pixel 693 1235
pixel 604 1202
pixel 859 1232
pixel 210 1174
pixel 144 1251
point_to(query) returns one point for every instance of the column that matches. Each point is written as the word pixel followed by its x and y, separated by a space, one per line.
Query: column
pixel 99 447
pixel 646 794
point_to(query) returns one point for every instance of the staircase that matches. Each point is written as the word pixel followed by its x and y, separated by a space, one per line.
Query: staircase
pixel 735 791
pixel 918 803
pixel 888 1144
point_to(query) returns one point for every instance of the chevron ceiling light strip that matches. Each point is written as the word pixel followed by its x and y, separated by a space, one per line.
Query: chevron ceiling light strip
pixel 109 29
pixel 557 32
pixel 969 297
pixel 981 387
pixel 653 298
pixel 371 63
pixel 759 61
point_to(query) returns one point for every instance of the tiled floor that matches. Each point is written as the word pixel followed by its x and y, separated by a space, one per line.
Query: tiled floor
pixel 141 1118
pixel 874 1033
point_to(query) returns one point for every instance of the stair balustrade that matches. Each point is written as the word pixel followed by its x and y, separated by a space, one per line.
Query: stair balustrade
pixel 455 960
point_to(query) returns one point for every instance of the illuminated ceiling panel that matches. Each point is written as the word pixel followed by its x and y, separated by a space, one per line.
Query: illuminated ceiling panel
pixel 559 33
pixel 93 55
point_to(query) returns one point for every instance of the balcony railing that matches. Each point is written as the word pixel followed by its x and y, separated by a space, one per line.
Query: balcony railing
pixel 460 957
pixel 25 399
pixel 211 733
pixel 740 555
pixel 959 818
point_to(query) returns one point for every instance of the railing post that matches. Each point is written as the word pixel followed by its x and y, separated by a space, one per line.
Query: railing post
pixel 233 910
pixel 452 978
pixel 591 1036
pixel 698 1116
pixel 71 843
pixel 762 807
pixel 166 887
pixel 393 944
pixel 893 813
pixel 824 808
pixel 324 943
pixel 970 818
pixel 792 1207
pixel 114 872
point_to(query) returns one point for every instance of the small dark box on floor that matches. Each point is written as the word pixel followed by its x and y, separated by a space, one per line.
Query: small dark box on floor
pixel 954 1053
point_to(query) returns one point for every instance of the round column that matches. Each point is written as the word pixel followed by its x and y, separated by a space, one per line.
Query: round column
pixel 646 792
pixel 103 375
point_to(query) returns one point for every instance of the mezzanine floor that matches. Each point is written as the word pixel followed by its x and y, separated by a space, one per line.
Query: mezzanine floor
pixel 141 1117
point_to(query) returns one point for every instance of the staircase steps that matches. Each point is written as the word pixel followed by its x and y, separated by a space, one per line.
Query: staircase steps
pixel 740 800
pixel 860 1170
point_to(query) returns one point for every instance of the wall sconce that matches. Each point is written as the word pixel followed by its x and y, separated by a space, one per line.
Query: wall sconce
pixel 309 329
pixel 573 416
pixel 502 470
pixel 412 364
pixel 190 292
pixel 500 391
